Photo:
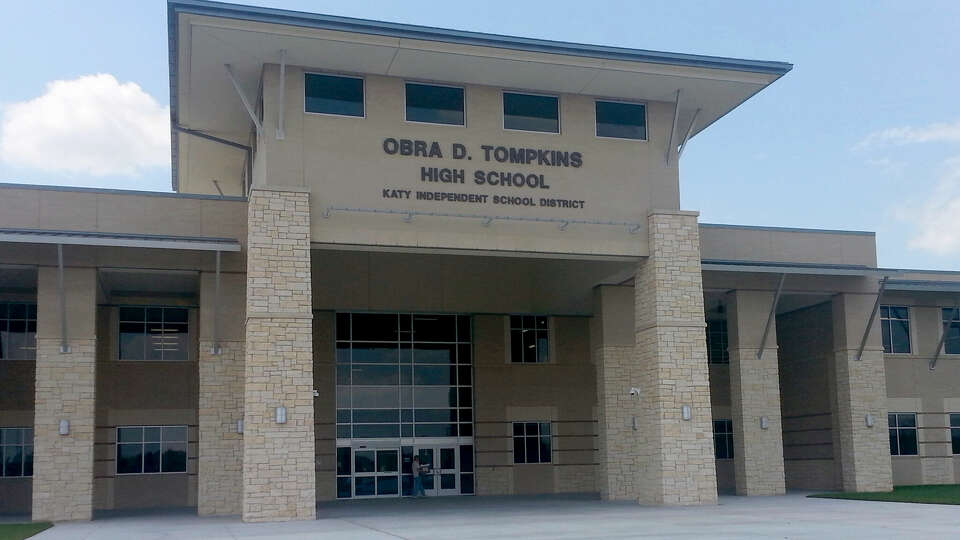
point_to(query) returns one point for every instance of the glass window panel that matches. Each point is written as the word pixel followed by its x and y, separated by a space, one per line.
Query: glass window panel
pixel 28 435
pixel 545 454
pixel 374 416
pixel 518 429
pixel 894 448
pixel 406 353
pixel 533 449
pixel 434 104
pixel 466 415
pixel 406 375
pixel 892 420
pixel 384 397
pixel 448 481
pixel 387 461
pixel 343 353
pixel 516 321
pixel 621 120
pixel 174 458
pixel 466 458
pixel 435 430
pixel 175 315
pixel 466 430
pixel 343 460
pixel 516 346
pixel 531 113
pixel 375 353
pixel 519 450
pixel 343 488
pixel 129 458
pixel 132 341
pixel 899 312
pixel 175 433
pixel 954 440
pixel 434 354
pixel 343 326
pixel 151 434
pixel 343 374
pixel 434 328
pixel 387 485
pixel 542 346
pixel 532 428
pixel 908 442
pixel 12 461
pixel 466 484
pixel 407 459
pixel 885 311
pixel 426 457
pixel 529 321
pixel 375 327
pixel 4 306
pixel 17 311
pixel 331 94
pixel 448 458
pixel 435 397
pixel 464 354
pixel 529 346
pixel 373 431
pixel 465 396
pixel 132 314
pixel 129 434
pixel 954 419
pixel 343 431
pixel 151 457
pixel 906 420
pixel 28 460
pixel 885 333
pixel 365 486
pixel 406 397
pixel 435 375
pixel 154 314
pixel 364 461
pixel 406 415
pixel 343 397
pixel 435 415
pixel 463 328
pixel 544 428
pixel 12 436
pixel 406 485
pixel 900 336
pixel 406 430
pixel 375 375
pixel 427 482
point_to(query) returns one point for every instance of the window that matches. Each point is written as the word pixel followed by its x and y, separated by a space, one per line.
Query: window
pixel 955 432
pixel 153 333
pixel 717 342
pixel 333 94
pixel 18 331
pixel 895 326
pixel 951 326
pixel 531 442
pixel 434 104
pixel 151 449
pixel 723 439
pixel 621 120
pixel 527 112
pixel 16 451
pixel 903 434
pixel 529 339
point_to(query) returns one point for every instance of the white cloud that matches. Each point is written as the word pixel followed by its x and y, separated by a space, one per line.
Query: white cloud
pixel 935 219
pixel 898 136
pixel 90 125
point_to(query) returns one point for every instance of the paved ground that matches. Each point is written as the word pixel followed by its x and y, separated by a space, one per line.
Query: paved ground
pixel 792 516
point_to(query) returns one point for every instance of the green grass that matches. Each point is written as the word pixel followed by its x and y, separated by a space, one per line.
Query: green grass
pixel 19 531
pixel 941 494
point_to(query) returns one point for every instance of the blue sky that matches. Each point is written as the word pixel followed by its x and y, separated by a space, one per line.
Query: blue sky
pixel 863 134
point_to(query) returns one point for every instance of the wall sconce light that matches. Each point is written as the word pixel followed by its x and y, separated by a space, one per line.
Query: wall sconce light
pixel 764 422
pixel 64 427
pixel 239 426
pixel 634 391
pixel 868 420
pixel 281 416
pixel 685 412
pixel 634 423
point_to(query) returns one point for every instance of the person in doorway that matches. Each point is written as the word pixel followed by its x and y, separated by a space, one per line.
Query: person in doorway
pixel 417 478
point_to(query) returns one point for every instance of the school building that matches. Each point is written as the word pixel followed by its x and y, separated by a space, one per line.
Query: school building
pixel 388 241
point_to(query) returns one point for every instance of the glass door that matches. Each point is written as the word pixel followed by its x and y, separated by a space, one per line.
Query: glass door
pixel 441 463
pixel 376 473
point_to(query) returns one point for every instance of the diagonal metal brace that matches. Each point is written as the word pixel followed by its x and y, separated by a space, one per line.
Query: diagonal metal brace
pixel 771 317
pixel 873 317
pixel 943 338
pixel 243 98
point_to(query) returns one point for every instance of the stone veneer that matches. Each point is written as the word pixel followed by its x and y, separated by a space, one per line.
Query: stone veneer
pixel 220 461
pixel 861 389
pixel 279 477
pixel 63 464
pixel 618 466
pixel 675 457
pixel 755 393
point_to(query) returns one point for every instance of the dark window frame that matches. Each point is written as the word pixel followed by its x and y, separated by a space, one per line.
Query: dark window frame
pixel 544 432
pixel 23 440
pixel 721 333
pixel 596 119
pixel 503 111
pixel 887 320
pixel 518 331
pixel 723 433
pixel 894 421
pixel 363 93
pixel 161 441
pixel 146 333
pixel 27 351
pixel 950 345
pixel 953 421
pixel 406 103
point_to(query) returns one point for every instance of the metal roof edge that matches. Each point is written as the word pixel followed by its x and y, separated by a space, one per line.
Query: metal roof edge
pixel 173 195
pixel 100 238
pixel 785 229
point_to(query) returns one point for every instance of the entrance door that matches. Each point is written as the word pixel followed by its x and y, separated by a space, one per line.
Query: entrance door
pixel 442 462
pixel 376 472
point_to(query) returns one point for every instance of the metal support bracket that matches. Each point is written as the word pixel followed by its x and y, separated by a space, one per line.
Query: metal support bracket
pixel 282 97
pixel 61 293
pixel 771 317
pixel 216 349
pixel 686 136
pixel 873 317
pixel 243 98
pixel 673 130
pixel 943 339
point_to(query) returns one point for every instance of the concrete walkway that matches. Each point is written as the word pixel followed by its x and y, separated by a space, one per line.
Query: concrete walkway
pixel 463 518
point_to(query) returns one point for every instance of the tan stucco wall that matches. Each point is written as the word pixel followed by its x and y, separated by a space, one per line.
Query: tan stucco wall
pixel 341 160
pixel 771 244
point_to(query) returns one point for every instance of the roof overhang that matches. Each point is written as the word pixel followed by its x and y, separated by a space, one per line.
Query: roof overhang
pixel 85 238
pixel 923 286
pixel 206 35
pixel 789 268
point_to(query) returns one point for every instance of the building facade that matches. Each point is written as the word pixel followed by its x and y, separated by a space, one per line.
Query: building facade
pixel 387 241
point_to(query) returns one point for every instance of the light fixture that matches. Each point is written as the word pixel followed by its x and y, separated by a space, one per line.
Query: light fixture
pixel 685 412
pixel 281 415
pixel 764 422
pixel 64 427
pixel 239 426
pixel 868 420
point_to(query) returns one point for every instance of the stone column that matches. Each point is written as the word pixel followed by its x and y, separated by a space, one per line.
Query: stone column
pixel 279 476
pixel 755 393
pixel 861 390
pixel 676 459
pixel 220 463
pixel 65 390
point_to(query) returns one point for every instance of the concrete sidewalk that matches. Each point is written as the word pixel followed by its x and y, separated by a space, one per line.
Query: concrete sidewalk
pixel 463 518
